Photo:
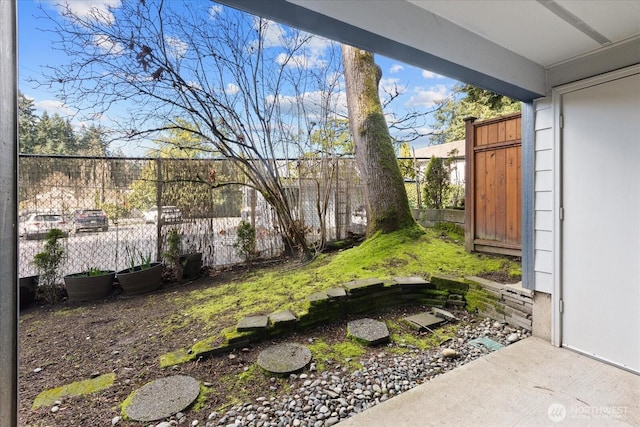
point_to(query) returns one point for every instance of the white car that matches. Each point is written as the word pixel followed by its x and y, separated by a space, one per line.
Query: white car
pixel 37 225
pixel 170 214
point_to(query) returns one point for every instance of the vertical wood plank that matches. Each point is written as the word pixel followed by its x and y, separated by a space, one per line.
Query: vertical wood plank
pixel 501 194
pixel 492 133
pixel 502 131
pixel 511 131
pixel 480 202
pixel 490 199
pixel 469 178
pixel 518 208
pixel 477 136
pixel 483 135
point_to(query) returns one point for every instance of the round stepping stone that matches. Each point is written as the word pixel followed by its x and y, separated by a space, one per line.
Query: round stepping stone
pixel 284 358
pixel 162 398
pixel 368 331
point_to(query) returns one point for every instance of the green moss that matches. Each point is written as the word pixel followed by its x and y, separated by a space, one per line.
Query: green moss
pixel 404 253
pixel 479 299
pixel 126 403
pixel 251 373
pixel 175 358
pixel 344 353
pixel 349 350
pixel 201 401
pixel 405 338
pixel 206 344
pixel 70 311
pixel 78 388
pixel 451 230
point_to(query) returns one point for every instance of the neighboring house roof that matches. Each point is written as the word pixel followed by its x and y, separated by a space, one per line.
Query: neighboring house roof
pixel 442 150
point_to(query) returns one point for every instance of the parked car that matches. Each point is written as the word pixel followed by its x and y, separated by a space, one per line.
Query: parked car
pixel 37 225
pixel 89 219
pixel 170 214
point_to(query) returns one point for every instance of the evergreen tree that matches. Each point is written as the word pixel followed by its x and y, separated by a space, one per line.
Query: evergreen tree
pixel 26 124
pixel 92 142
pixel 436 183
pixel 54 135
pixel 468 101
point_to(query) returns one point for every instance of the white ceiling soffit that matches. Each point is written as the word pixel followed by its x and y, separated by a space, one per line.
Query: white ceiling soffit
pixel 509 47
pixel 546 32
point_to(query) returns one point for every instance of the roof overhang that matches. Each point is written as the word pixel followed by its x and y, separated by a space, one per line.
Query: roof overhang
pixel 520 49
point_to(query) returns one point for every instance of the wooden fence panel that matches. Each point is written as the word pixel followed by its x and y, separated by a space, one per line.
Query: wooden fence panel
pixel 493 191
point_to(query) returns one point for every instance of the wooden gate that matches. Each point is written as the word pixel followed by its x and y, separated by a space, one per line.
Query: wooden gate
pixel 493 190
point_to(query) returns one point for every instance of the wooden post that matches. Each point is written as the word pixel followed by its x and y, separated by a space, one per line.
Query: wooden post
pixel 469 191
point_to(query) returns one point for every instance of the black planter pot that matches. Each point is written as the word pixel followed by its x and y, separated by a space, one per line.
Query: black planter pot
pixel 141 280
pixel 28 286
pixel 82 287
pixel 192 263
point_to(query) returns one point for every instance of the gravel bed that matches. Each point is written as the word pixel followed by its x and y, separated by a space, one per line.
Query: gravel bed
pixel 319 399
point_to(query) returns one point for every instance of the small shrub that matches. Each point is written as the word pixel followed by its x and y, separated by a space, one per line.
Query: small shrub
pixel 173 253
pixel 436 184
pixel 456 197
pixel 245 244
pixel 48 263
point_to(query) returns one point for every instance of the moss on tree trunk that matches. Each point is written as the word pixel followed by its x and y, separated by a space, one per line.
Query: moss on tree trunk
pixel 386 198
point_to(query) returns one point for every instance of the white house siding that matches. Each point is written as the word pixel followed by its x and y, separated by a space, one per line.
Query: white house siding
pixel 544 197
pixel 457 172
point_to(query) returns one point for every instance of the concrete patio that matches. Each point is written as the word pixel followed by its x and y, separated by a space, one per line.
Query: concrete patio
pixel 529 383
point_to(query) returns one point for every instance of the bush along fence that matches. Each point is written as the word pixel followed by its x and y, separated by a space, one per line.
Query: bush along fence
pixel 504 303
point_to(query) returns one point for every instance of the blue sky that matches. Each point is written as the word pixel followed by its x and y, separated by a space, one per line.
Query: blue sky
pixel 420 88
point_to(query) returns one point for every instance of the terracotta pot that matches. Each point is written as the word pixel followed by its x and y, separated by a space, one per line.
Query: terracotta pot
pixel 192 263
pixel 82 287
pixel 141 280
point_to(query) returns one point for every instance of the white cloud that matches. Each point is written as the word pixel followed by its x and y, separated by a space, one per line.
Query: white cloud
pixel 231 89
pixel 318 44
pixel 192 85
pixel 273 33
pixel 91 9
pixel 313 54
pixel 301 61
pixel 312 104
pixel 105 43
pixel 52 107
pixel 390 84
pixel 395 68
pixel 431 75
pixel 215 10
pixel 426 98
pixel 177 48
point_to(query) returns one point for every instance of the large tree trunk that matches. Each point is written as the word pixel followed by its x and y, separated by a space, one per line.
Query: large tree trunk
pixel 386 198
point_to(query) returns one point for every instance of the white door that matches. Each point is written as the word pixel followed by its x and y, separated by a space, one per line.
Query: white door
pixel 601 227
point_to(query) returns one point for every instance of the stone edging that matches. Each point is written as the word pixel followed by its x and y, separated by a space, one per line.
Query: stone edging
pixel 505 303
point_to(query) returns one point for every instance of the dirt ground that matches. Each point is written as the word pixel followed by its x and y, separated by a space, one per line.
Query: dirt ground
pixel 70 342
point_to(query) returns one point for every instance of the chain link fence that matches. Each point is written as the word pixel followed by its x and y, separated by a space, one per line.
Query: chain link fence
pixel 204 199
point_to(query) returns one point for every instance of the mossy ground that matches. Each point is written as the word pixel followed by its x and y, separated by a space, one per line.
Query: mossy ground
pixel 411 252
pixel 72 341
pixel 78 388
pixel 383 256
